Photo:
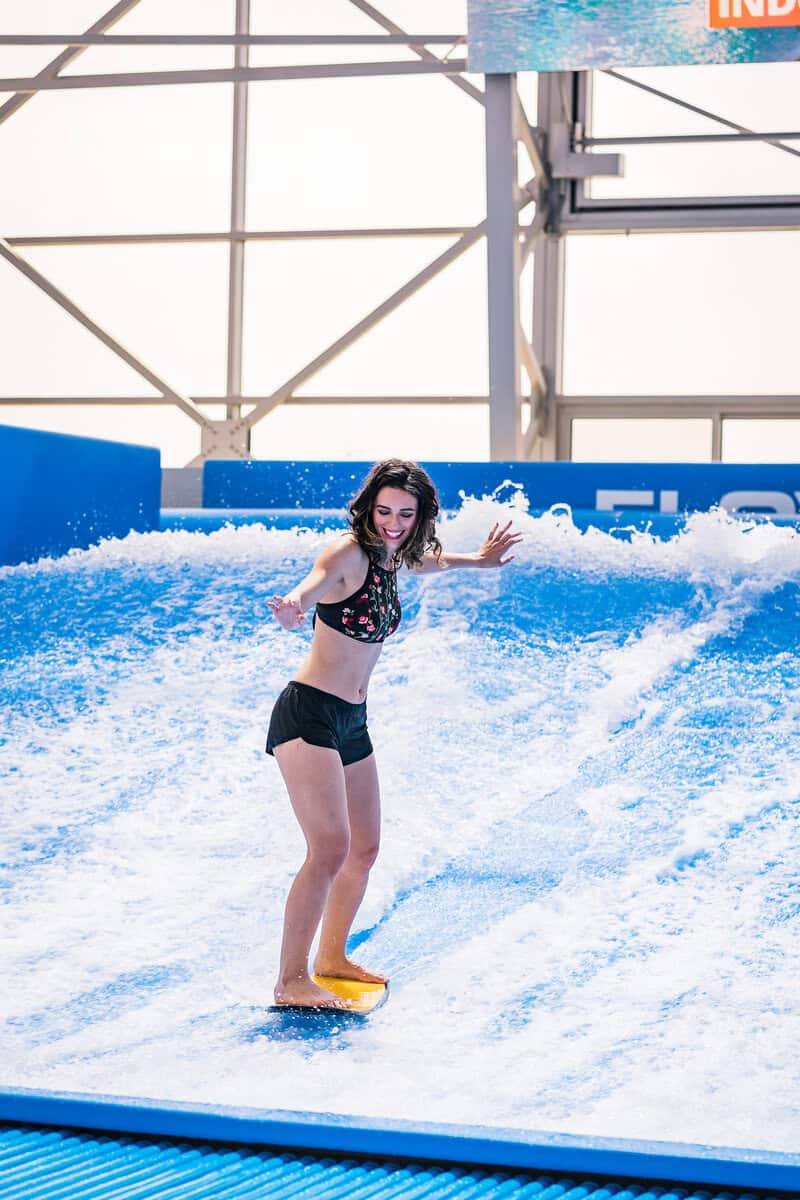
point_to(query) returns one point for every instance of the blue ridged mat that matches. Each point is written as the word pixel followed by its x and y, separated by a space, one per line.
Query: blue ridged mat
pixel 45 1162
pixel 109 1147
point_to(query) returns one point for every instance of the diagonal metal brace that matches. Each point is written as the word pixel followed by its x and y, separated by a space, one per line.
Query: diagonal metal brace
pixel 531 140
pixel 268 403
pixel 373 13
pixel 389 305
pixel 183 402
pixel 533 232
pixel 531 364
pixel 537 424
pixel 66 56
pixel 701 112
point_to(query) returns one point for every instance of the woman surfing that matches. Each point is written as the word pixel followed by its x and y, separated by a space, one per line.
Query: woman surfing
pixel 318 728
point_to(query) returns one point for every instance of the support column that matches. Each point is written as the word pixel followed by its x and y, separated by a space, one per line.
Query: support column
pixel 505 439
pixel 548 336
pixel 237 245
pixel 548 273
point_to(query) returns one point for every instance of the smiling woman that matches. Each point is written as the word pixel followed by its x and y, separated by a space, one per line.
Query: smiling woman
pixel 318 728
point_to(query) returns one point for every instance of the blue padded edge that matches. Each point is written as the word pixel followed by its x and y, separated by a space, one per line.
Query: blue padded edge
pixel 59 492
pixel 510 1148
pixel 698 486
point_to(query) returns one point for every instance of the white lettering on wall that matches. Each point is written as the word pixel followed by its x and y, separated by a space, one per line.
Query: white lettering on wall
pixel 754 7
pixel 608 499
pixel 780 503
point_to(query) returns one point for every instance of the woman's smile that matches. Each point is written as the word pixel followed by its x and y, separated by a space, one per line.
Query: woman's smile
pixel 394 514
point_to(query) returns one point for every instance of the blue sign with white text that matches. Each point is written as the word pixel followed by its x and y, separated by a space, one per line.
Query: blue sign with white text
pixel 603 487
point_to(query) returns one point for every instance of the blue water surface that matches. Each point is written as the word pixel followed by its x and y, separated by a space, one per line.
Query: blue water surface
pixel 587 897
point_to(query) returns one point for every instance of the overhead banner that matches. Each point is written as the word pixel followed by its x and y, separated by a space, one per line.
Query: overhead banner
pixel 572 35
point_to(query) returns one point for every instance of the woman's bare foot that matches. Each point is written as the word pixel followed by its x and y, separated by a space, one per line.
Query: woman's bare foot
pixel 344 968
pixel 307 994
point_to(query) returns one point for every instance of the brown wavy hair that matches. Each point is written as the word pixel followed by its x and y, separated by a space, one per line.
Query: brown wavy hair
pixel 397 473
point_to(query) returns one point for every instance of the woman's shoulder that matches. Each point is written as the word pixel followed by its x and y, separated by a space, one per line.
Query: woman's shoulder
pixel 345 551
pixel 345 563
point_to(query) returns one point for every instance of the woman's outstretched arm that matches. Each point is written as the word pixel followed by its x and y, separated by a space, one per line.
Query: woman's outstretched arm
pixel 497 544
pixel 329 569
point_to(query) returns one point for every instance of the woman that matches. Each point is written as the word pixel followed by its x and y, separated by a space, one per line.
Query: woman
pixel 318 729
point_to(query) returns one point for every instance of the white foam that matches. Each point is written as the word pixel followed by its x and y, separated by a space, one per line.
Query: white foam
pixel 640 951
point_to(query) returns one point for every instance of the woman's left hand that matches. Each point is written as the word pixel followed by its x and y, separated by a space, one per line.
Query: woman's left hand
pixel 497 543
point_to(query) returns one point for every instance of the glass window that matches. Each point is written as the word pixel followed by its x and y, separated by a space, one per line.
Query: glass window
pixel 765 441
pixel 682 314
pixel 646 439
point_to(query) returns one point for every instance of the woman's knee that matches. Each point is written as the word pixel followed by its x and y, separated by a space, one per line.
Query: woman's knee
pixel 362 855
pixel 329 852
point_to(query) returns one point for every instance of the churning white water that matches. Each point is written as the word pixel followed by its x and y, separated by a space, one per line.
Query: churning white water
pixel 588 892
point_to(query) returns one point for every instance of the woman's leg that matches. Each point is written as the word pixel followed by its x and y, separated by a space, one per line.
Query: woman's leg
pixel 315 780
pixel 364 810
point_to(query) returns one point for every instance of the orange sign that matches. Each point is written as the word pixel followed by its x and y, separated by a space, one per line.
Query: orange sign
pixel 753 14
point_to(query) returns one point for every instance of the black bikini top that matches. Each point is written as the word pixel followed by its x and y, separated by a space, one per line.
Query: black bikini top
pixel 372 613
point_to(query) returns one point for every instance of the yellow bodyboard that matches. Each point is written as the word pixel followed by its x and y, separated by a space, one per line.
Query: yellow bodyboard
pixel 363 997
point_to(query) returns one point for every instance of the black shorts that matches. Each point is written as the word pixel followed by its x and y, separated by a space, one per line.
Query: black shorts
pixel 321 719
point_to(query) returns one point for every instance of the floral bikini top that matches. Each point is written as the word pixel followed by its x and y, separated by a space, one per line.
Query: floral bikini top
pixel 372 613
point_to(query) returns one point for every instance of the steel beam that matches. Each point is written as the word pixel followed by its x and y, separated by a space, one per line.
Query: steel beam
pixel 370 11
pixel 678 139
pixel 555 101
pixel 548 329
pixel 21 264
pixel 663 216
pixel 530 139
pixel 303 400
pixel 503 268
pixel 238 221
pixel 84 40
pixel 531 364
pixel 255 235
pixel 23 84
pixel 67 56
pixel 685 104
pixel 775 405
pixel 532 233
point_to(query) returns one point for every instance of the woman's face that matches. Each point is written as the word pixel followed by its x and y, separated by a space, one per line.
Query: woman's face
pixel 394 515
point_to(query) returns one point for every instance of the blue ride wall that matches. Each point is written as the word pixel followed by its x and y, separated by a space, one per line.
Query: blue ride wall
pixel 58 492
pixel 654 487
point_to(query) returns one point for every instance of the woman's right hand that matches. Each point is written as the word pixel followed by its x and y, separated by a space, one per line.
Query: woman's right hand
pixel 287 612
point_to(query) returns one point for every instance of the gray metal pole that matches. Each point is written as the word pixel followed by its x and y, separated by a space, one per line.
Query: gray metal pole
pixel 548 280
pixel 548 332
pixel 503 267
pixel 238 220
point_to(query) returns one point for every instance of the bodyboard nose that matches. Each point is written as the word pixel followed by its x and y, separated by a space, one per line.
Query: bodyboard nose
pixel 364 997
